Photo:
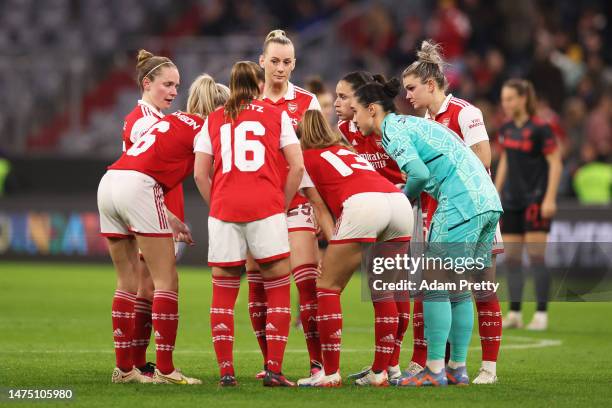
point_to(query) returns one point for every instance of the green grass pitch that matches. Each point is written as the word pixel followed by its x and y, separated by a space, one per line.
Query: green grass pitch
pixel 55 332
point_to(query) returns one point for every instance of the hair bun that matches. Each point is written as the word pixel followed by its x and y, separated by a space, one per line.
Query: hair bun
pixel 143 57
pixel 380 78
pixel 391 88
pixel 275 34
pixel 431 53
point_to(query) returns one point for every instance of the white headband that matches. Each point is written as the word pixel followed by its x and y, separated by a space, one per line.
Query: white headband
pixel 155 67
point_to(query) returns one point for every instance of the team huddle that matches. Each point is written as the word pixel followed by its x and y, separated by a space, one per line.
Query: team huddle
pixel 277 178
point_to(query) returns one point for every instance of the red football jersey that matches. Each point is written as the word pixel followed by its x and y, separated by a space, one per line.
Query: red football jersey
pixel 337 173
pixel 165 151
pixel 370 148
pixel 136 123
pixel 247 182
pixel 295 102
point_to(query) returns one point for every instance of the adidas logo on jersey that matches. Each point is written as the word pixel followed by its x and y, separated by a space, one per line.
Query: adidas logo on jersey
pixel 312 319
pixel 118 333
pixel 148 325
pixel 389 338
pixel 354 142
pixel 271 327
pixel 337 334
pixel 158 335
pixel 221 327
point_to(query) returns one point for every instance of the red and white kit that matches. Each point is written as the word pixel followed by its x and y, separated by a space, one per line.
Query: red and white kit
pixel 136 123
pixel 466 120
pixel 296 101
pixel 367 207
pixel 130 194
pixel 247 208
pixel 370 148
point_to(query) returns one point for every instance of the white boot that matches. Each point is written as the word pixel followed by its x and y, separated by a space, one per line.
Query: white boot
pixel 513 320
pixel 539 322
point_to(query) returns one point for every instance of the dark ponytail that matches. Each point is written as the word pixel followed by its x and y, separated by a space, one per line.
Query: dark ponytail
pixel 357 79
pixel 382 94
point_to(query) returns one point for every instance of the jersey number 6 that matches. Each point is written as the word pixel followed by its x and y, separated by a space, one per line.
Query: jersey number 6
pixel 242 146
pixel 148 138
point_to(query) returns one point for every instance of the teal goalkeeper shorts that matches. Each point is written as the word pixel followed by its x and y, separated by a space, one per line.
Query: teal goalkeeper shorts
pixel 452 236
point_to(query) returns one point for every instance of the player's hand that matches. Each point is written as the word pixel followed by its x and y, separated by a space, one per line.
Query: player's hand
pixel 548 208
pixel 181 231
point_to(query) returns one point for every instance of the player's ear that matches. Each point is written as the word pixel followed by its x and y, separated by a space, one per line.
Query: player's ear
pixel 431 85
pixel 146 83
pixel 372 109
pixel 261 61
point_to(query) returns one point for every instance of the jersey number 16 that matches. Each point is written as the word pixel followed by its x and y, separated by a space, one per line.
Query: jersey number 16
pixel 242 146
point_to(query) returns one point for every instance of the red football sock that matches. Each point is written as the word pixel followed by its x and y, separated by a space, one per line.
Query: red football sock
pixel 403 313
pixel 329 321
pixel 123 328
pixel 278 320
pixel 305 278
pixel 257 309
pixel 385 329
pixel 165 319
pixel 489 326
pixel 225 292
pixel 142 331
pixel 419 347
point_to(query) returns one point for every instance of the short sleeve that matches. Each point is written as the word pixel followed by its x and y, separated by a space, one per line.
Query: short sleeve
pixel 472 125
pixel 287 136
pixel 306 181
pixel 202 141
pixel 141 126
pixel 547 140
pixel 314 104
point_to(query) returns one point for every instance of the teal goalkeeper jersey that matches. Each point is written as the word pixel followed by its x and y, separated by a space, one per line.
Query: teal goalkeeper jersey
pixel 438 162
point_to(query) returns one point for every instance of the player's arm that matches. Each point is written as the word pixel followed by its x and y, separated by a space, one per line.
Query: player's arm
pixel 418 175
pixel 483 151
pixel 203 162
pixel 322 214
pixel 290 146
pixel 180 230
pixel 555 167
pixel 293 155
pixel 402 150
pixel 500 174
pixel 201 174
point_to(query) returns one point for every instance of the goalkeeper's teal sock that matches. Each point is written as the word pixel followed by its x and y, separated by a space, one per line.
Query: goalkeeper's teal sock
pixel 462 325
pixel 437 318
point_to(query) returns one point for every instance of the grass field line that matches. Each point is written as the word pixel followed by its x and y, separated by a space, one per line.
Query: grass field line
pixel 526 343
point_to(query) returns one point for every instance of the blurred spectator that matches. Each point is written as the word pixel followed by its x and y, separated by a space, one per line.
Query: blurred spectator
pixel 593 181
pixel 599 126
pixel 451 27
pixel 324 96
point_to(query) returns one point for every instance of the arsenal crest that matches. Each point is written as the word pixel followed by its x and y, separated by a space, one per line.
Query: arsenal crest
pixel 292 107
